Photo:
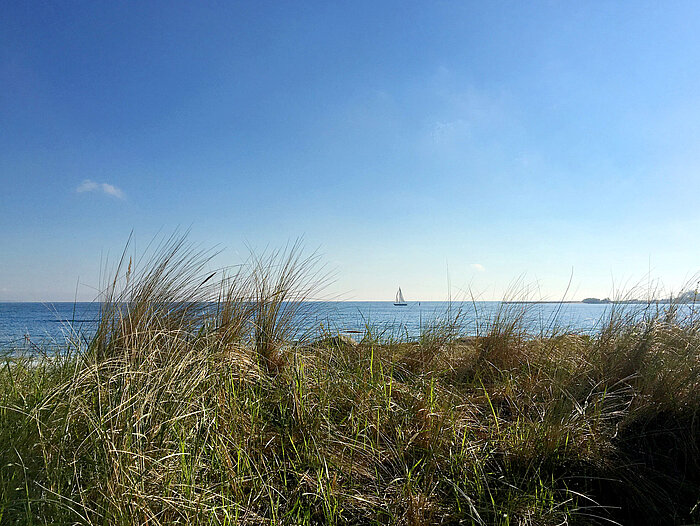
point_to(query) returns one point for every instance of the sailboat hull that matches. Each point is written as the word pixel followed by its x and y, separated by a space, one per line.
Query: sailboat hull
pixel 400 304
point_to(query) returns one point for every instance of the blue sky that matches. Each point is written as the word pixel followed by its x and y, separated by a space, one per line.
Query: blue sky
pixel 409 142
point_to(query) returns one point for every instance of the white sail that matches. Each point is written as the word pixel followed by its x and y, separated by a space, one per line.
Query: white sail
pixel 399 298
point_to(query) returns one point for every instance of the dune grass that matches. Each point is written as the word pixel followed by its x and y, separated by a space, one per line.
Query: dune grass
pixel 197 402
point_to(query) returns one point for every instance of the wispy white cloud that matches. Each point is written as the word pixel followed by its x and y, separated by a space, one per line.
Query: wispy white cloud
pixel 464 114
pixel 112 190
pixel 478 267
pixel 87 186
pixel 91 186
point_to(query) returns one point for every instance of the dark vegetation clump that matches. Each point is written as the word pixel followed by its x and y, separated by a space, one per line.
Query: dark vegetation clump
pixel 199 401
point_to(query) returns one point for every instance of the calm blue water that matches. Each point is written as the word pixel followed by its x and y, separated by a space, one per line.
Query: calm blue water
pixel 24 324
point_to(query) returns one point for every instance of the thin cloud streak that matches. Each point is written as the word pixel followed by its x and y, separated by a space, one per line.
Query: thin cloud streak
pixel 478 267
pixel 91 186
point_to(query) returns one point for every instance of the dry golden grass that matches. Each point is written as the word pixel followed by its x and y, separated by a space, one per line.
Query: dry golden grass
pixel 197 403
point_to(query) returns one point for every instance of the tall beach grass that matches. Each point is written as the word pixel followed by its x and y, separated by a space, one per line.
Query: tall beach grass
pixel 198 401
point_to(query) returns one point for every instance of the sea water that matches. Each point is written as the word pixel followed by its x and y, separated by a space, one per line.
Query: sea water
pixel 39 324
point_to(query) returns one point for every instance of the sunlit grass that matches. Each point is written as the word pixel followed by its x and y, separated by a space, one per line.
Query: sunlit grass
pixel 197 402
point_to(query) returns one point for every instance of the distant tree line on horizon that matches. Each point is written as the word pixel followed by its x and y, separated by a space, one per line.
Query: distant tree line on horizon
pixel 689 296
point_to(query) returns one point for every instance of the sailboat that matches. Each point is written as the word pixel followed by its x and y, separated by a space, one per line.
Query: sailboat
pixel 400 302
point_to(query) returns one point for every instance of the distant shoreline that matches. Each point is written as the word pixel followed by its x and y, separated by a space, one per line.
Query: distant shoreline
pixel 621 302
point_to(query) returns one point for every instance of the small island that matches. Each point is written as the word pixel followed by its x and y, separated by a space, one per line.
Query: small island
pixel 596 300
